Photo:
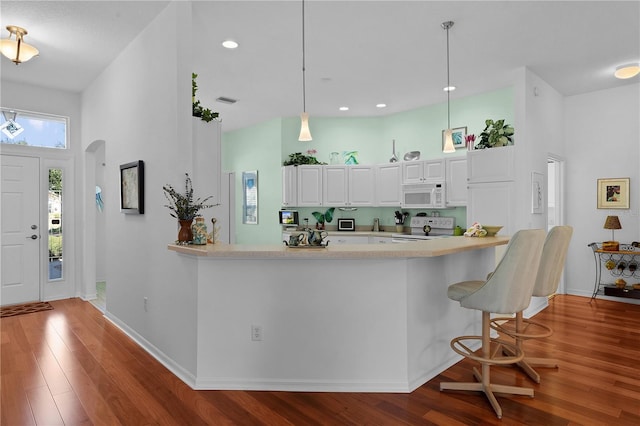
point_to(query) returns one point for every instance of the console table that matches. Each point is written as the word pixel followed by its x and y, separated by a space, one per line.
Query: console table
pixel 623 263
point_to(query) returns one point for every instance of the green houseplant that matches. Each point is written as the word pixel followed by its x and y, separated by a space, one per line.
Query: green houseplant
pixel 298 158
pixel 184 207
pixel 198 111
pixel 496 133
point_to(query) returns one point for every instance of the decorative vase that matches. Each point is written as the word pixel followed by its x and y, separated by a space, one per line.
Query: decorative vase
pixel 185 235
pixel 399 229
pixel 199 230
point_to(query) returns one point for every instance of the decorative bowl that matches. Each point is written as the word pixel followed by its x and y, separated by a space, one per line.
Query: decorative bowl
pixel 492 230
pixel 412 156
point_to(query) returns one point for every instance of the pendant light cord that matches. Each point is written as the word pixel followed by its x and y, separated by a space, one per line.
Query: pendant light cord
pixel 448 83
pixel 304 82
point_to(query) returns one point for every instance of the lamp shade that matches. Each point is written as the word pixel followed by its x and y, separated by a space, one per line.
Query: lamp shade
pixel 448 142
pixel 612 222
pixel 17 50
pixel 305 133
pixel 627 71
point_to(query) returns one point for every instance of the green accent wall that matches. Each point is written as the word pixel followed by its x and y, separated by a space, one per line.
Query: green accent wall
pixel 265 146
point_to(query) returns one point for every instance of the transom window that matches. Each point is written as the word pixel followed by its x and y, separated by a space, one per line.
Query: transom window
pixel 32 129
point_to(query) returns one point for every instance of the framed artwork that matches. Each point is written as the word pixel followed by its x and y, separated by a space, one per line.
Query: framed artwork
pixel 613 193
pixel 250 197
pixel 457 134
pixel 537 193
pixel 132 188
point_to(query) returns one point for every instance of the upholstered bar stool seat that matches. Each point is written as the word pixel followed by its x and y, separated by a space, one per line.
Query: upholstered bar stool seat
pixel 506 291
pixel 554 254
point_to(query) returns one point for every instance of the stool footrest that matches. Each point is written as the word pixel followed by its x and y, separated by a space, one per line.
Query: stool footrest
pixel 530 329
pixel 496 355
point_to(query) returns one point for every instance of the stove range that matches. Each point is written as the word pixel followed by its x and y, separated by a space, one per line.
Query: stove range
pixel 441 227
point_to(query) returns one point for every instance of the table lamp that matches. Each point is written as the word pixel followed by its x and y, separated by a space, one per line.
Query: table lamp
pixel 612 223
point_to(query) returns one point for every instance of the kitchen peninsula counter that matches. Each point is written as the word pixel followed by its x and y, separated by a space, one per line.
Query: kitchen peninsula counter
pixel 355 318
pixel 427 248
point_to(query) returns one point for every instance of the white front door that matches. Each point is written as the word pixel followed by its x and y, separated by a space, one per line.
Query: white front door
pixel 19 223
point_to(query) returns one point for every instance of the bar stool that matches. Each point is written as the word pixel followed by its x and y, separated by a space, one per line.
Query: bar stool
pixel 506 291
pixel 554 254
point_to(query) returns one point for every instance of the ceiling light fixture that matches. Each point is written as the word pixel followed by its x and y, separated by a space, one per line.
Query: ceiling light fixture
pixel 344 108
pixel 448 138
pixel 305 133
pixel 381 105
pixel 230 44
pixel 17 50
pixel 627 70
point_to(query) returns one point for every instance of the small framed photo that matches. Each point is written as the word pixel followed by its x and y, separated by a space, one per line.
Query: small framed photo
pixel 457 134
pixel 613 193
pixel 132 188
pixel 537 193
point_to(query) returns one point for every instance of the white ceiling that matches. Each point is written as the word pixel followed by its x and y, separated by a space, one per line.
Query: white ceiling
pixel 359 53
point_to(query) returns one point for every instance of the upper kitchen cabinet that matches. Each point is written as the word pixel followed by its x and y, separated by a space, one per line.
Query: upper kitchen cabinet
pixel 456 181
pixel 348 186
pixel 491 165
pixel 387 188
pixel 423 171
pixel 289 186
pixel 309 186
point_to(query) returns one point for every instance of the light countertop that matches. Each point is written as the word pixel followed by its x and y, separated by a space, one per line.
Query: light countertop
pixel 428 248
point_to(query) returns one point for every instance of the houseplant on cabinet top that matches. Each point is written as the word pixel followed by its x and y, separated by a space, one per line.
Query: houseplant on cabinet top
pixel 496 133
pixel 205 114
pixel 184 207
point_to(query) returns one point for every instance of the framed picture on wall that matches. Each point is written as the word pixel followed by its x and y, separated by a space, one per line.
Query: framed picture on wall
pixel 457 134
pixel 132 188
pixel 613 193
pixel 537 193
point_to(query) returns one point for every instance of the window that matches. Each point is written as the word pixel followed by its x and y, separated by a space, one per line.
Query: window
pixel 32 129
pixel 55 224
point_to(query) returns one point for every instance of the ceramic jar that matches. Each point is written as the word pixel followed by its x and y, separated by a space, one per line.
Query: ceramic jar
pixel 199 229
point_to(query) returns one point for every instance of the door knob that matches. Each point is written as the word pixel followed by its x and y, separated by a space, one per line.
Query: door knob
pixel 33 237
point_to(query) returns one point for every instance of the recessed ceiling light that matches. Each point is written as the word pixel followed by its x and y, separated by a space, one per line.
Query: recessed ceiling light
pixel 449 88
pixel 344 108
pixel 381 105
pixel 230 44
pixel 627 70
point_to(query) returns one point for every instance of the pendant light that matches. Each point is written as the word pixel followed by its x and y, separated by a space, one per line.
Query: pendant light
pixel 17 50
pixel 305 133
pixel 448 138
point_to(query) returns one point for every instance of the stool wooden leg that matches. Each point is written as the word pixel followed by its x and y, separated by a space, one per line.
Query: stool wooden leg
pixel 484 379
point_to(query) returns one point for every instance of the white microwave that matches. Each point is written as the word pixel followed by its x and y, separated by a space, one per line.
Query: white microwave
pixel 423 195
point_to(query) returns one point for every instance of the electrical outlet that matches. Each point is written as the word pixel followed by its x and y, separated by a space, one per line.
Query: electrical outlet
pixel 256 333
pixel 145 301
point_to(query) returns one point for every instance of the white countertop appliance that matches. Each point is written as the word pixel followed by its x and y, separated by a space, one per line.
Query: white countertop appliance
pixel 439 227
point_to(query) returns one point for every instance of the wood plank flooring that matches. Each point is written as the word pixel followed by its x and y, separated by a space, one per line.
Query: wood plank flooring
pixel 71 366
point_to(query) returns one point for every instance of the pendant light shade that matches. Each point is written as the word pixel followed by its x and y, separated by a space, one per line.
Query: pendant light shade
pixel 305 133
pixel 448 134
pixel 17 50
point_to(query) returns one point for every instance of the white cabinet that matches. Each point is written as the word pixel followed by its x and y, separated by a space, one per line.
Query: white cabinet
pixel 347 239
pixel 387 188
pixel 490 203
pixel 309 186
pixel 491 164
pixel 348 185
pixel 289 186
pixel 491 187
pixel 456 181
pixel 423 171
pixel 206 158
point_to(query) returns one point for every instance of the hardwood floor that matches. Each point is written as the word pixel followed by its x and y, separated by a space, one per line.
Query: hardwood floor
pixel 71 366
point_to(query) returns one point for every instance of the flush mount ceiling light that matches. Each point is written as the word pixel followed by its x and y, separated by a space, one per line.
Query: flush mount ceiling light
pixel 305 133
pixel 381 105
pixel 17 50
pixel 344 108
pixel 448 137
pixel 627 70
pixel 230 44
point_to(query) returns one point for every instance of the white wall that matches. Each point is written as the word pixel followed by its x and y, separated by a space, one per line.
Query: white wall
pixel 141 107
pixel 602 137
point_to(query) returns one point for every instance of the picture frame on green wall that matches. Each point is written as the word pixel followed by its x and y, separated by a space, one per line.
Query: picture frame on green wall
pixel 457 134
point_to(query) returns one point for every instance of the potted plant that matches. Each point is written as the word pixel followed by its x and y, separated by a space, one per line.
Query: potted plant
pixel 198 111
pixel 496 133
pixel 298 158
pixel 184 207
pixel 321 218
